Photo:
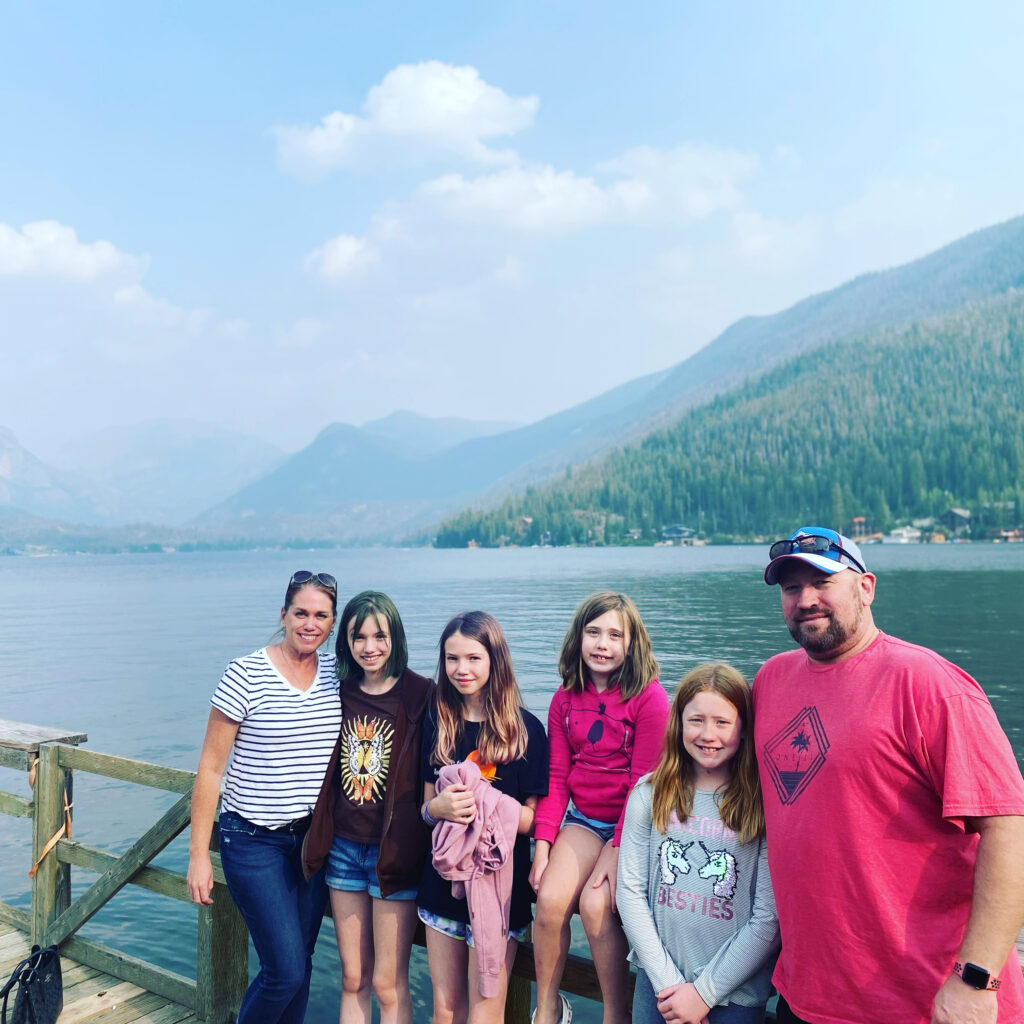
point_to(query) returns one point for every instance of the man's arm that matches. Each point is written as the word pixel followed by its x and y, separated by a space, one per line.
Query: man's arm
pixel 997 912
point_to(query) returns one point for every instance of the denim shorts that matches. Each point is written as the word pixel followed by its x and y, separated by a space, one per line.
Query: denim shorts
pixel 602 829
pixel 352 867
pixel 460 930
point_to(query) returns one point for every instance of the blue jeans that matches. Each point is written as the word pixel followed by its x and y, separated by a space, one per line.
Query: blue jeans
pixel 263 869
pixel 645 1008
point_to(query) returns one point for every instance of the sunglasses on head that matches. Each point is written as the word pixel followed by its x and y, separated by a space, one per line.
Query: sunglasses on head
pixel 303 576
pixel 813 544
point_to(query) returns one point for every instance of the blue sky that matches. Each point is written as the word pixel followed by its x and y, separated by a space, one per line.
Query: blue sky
pixel 272 219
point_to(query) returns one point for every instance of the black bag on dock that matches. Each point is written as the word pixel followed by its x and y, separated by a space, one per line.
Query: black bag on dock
pixel 40 992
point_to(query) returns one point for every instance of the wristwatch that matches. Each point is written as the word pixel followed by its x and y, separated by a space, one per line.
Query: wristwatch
pixel 975 976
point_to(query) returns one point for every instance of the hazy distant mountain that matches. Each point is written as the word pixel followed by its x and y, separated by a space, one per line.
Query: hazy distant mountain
pixel 330 476
pixel 421 435
pixel 36 488
pixel 365 487
pixel 167 471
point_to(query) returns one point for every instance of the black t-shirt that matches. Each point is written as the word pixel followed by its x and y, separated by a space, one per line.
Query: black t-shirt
pixel 519 779
pixel 367 731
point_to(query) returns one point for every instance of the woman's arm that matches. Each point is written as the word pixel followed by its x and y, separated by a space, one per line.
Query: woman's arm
pixel 632 888
pixel 213 759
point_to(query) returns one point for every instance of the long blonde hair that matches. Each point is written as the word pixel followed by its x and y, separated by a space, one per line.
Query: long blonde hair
pixel 639 668
pixel 503 735
pixel 740 806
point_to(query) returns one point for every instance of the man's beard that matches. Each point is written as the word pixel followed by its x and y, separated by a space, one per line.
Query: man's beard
pixel 833 636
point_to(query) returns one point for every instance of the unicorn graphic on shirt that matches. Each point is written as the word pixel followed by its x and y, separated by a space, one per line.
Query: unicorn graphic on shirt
pixel 721 866
pixel 672 855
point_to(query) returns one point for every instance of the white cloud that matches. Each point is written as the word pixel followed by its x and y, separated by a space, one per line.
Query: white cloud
pixel 687 183
pixel 49 248
pixel 148 310
pixel 785 245
pixel 521 198
pixel 510 272
pixel 304 333
pixel 787 157
pixel 74 274
pixel 418 111
pixel 341 257
pixel 894 204
pixel 648 186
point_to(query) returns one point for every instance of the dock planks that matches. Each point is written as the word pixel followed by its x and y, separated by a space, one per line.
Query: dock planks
pixel 91 995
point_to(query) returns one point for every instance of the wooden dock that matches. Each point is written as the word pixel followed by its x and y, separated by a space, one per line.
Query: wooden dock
pixel 90 995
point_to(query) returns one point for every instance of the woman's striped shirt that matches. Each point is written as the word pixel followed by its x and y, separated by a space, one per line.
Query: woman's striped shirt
pixel 284 740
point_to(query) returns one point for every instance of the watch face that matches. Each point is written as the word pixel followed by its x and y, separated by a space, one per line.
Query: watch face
pixel 975 976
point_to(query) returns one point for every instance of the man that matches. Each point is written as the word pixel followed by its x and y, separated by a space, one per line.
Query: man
pixel 894 810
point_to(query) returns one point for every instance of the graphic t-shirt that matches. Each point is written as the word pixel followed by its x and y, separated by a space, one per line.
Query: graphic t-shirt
pixel 367 732
pixel 519 779
pixel 869 768
pixel 695 903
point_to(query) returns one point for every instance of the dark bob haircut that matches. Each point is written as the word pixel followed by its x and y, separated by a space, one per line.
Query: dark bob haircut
pixel 357 611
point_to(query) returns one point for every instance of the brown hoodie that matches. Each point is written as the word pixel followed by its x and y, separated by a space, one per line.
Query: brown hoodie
pixel 406 839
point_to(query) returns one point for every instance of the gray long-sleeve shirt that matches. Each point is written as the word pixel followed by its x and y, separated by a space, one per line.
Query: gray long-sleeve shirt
pixel 696 905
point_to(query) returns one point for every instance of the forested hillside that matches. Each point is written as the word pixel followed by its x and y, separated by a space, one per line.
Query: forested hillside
pixel 889 425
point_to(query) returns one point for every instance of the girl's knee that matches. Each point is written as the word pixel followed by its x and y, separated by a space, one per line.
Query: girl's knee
pixel 388 987
pixel 553 908
pixel 354 980
pixel 595 908
pixel 449 1008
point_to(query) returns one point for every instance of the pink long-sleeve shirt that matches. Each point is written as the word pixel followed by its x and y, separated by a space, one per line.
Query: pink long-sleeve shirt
pixel 599 747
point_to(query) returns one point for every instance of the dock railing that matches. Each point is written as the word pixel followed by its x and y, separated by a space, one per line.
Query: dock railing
pixel 50 757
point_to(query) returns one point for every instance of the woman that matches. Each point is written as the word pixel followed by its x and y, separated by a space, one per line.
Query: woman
pixel 366 824
pixel 278 710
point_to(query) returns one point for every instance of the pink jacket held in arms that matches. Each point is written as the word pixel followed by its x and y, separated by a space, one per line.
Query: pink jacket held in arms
pixel 478 859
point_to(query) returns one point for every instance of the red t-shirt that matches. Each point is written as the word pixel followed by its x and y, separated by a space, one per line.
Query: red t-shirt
pixel 869 767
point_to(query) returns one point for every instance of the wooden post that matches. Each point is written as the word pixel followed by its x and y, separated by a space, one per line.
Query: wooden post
pixel 517 1001
pixel 222 954
pixel 51 886
pixel 222 958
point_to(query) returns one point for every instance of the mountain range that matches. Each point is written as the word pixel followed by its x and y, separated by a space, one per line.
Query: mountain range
pixel 399 476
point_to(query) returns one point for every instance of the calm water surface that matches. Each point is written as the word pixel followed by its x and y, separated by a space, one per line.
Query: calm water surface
pixel 128 649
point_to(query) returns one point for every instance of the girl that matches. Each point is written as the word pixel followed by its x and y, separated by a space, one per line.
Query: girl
pixel 478 716
pixel 366 821
pixel 693 887
pixel 605 726
pixel 277 711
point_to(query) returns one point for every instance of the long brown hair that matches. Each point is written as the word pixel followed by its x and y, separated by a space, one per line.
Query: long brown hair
pixel 639 668
pixel 672 784
pixel 502 736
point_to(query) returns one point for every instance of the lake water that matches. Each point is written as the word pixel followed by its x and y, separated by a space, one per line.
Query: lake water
pixel 128 649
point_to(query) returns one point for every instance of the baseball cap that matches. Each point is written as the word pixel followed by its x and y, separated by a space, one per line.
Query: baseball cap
pixel 818 546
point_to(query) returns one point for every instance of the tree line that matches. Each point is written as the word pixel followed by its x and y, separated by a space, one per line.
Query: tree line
pixel 891 426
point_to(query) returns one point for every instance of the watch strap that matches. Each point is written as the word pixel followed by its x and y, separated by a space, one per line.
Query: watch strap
pixel 975 976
